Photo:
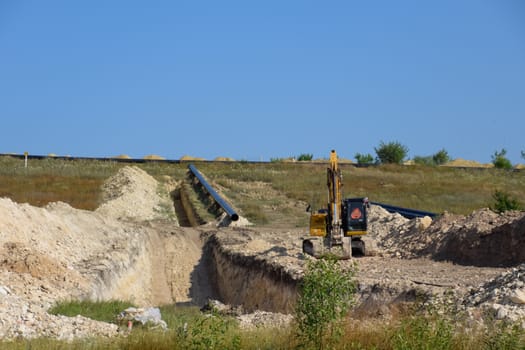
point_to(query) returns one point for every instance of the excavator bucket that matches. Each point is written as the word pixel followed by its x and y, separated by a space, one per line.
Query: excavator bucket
pixel 319 247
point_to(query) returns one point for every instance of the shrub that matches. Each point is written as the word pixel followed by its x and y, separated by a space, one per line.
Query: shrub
pixel 500 160
pixel 211 332
pixel 305 157
pixel 364 158
pixel 438 158
pixel 327 293
pixel 391 153
pixel 503 202
pixel 441 157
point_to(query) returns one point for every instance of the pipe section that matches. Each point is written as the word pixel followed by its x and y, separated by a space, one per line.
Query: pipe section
pixel 224 205
pixel 406 212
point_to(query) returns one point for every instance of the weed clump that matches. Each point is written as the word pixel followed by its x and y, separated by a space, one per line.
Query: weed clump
pixel 327 293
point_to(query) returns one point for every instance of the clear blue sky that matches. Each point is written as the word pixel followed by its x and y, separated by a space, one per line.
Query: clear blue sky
pixel 255 80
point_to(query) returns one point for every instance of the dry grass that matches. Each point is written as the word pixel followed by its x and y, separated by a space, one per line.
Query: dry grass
pixel 435 189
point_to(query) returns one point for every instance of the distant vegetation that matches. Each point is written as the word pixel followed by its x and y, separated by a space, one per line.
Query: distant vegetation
pixel 364 158
pixel 391 153
pixel 305 157
pixel 500 160
pixel 439 158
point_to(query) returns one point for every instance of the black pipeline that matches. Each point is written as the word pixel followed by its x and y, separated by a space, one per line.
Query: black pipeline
pixel 225 206
pixel 406 212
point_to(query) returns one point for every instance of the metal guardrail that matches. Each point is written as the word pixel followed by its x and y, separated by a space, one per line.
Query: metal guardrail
pixel 224 205
pixel 406 212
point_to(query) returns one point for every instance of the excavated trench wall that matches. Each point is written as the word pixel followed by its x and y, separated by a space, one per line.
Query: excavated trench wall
pixel 253 283
pixel 124 274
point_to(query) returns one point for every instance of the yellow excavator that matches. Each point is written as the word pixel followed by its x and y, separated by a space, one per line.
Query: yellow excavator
pixel 338 229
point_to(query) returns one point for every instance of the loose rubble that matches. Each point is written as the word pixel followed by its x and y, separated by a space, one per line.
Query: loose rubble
pixel 150 317
pixel 256 319
pixel 503 297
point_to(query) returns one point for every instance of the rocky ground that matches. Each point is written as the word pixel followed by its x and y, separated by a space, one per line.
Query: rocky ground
pixel 126 249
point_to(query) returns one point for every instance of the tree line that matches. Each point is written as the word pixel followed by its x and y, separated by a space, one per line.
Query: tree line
pixel 395 152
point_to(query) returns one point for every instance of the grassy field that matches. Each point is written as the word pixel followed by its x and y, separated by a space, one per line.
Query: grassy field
pixel 435 189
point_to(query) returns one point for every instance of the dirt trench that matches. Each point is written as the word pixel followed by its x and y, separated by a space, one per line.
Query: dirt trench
pixel 191 266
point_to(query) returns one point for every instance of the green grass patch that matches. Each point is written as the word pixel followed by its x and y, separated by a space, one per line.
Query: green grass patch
pixel 105 311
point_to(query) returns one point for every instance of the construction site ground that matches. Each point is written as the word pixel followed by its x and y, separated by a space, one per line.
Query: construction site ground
pixel 128 249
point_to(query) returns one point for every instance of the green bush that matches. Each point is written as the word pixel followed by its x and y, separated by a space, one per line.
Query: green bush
pixel 327 293
pixel 504 335
pixel 441 157
pixel 391 153
pixel 438 158
pixel 364 158
pixel 305 157
pixel 422 332
pixel 500 160
pixel 504 201
pixel 211 332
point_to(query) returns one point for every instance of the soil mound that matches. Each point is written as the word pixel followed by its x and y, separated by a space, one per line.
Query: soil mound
pixel 133 194
pixel 483 238
pixel 59 252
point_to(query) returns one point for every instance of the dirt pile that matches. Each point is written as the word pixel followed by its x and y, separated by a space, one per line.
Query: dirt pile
pixel 58 253
pixel 483 238
pixel 405 260
pixel 133 194
pixel 42 252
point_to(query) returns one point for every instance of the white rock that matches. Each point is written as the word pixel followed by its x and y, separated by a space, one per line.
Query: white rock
pixel 517 296
pixel 4 291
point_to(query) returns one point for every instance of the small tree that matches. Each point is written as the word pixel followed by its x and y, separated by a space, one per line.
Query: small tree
pixel 364 158
pixel 305 157
pixel 391 153
pixel 523 154
pixel 441 157
pixel 500 160
pixel 327 293
pixel 503 202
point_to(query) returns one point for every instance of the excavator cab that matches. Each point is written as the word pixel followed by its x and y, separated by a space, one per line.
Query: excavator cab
pixel 355 221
